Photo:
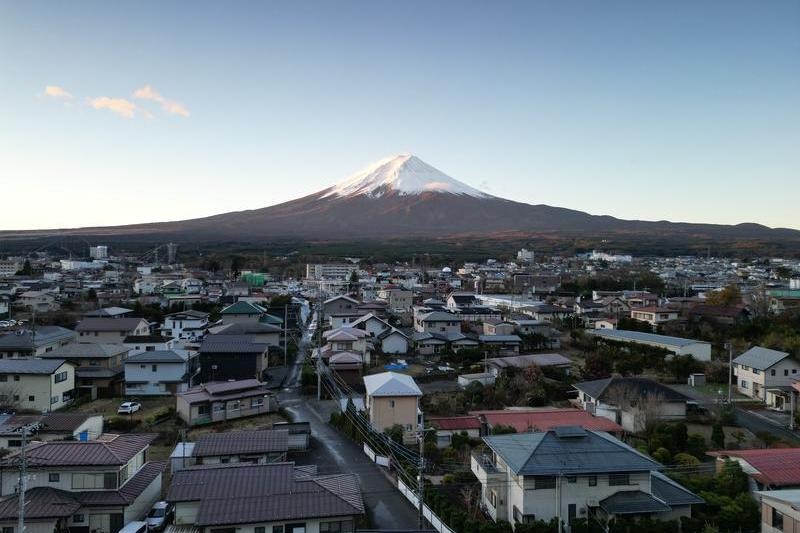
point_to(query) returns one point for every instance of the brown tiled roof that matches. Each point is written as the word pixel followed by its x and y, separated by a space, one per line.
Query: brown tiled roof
pixel 238 494
pixel 106 450
pixel 241 442
pixel 52 423
pixel 225 390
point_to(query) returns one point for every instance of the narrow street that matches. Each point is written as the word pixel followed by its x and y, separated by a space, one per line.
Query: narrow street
pixel 334 453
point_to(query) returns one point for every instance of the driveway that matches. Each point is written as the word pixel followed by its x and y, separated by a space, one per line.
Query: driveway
pixel 334 453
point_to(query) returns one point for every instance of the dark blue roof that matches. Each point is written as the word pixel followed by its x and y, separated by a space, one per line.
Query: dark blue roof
pixel 671 492
pixel 545 453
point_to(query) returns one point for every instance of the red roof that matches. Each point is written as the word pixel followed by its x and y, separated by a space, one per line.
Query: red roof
pixel 455 423
pixel 545 420
pixel 776 466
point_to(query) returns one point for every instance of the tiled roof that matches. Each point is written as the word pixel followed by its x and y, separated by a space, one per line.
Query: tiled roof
pixel 146 339
pixel 775 466
pixel 522 361
pixel 633 502
pixel 547 419
pixel 231 344
pixel 104 324
pixel 30 366
pixel 637 386
pixel 106 450
pixel 545 453
pixel 243 494
pixel 454 423
pixel 241 442
pixel 86 351
pixel 247 328
pixel 107 312
pixel 243 308
pixel 156 356
pixel 51 423
pixel 670 492
pixel 44 335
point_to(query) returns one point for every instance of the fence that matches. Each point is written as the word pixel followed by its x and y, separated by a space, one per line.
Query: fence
pixel 429 515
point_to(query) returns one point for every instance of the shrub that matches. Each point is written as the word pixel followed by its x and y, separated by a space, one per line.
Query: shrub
pixel 685 459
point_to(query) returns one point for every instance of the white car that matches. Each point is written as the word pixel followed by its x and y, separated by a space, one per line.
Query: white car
pixel 128 408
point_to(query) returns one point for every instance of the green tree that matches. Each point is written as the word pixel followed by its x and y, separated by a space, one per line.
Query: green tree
pixel 718 436
pixel 26 269
pixel 730 295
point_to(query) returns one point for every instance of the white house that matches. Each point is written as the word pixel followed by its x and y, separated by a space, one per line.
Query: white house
pixel 394 341
pixel 766 375
pixel 393 399
pixel 36 384
pixel 185 325
pixel 571 473
pixel 156 373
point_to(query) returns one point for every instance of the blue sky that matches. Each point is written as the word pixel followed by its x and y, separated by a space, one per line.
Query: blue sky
pixel 686 110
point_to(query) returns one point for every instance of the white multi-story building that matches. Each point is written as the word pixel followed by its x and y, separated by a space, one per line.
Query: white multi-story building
pixel 766 375
pixel 330 270
pixel 525 256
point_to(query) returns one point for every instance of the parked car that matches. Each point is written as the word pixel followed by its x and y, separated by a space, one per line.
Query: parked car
pixel 160 516
pixel 128 408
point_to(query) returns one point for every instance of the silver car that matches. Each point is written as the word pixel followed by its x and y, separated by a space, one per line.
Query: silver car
pixel 160 516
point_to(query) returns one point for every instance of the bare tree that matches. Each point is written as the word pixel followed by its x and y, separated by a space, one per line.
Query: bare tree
pixel 9 397
pixel 469 495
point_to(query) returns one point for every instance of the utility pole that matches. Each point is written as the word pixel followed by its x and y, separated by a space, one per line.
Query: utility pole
pixel 285 336
pixel 23 474
pixel 421 478
pixel 320 307
pixel 730 370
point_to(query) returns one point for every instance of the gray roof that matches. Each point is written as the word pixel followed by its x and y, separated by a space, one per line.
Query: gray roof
pixel 231 344
pixel 247 328
pixel 522 361
pixel 241 442
pixel 391 384
pixel 49 423
pixel 106 324
pixel 440 316
pixel 44 335
pixel 189 314
pixel 760 358
pixel 633 502
pixel 107 312
pixel 86 351
pixel 545 453
pixel 30 366
pixel 639 336
pixel 156 356
pixel 635 385
pixel 246 494
pixel 499 338
pixel 670 492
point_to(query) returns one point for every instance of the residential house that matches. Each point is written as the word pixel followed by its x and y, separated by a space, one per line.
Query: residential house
pixel 437 322
pixel 458 300
pixel 95 485
pixel 39 301
pixel 498 326
pixel 767 469
pixel 502 343
pixel 242 312
pixel 572 473
pixel 373 325
pixel 550 313
pixel 780 510
pixel 448 426
pixel 275 497
pixel 394 341
pixel 555 361
pixel 260 332
pixel 655 316
pixel 338 320
pixel 346 339
pixel 339 304
pixel 253 447
pixel 700 350
pixel 36 384
pixel 157 373
pixel 29 343
pixel 631 402
pixel 766 375
pixel 148 343
pixel 639 299
pixel 185 325
pixel 399 301
pixel 100 367
pixel 106 330
pixel 49 427
pixel 224 400
pixel 232 357
pixel 392 399
pixel 723 315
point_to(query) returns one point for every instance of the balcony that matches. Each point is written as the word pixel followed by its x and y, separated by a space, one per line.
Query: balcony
pixel 485 469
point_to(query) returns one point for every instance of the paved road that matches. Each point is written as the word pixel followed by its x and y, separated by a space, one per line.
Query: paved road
pixel 333 453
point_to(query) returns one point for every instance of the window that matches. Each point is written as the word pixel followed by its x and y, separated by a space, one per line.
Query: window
pixel 154 368
pixel 340 526
pixel 544 482
pixel 256 402
pixel 517 515
pixel 31 398
pixel 391 404
pixel 785 372
pixel 61 376
pixel 53 400
pixel 3 378
pixel 54 477
pixel 592 481
pixel 277 529
pixel 756 371
pixel 619 479
pixel 572 479
pixel 16 378
pixel 743 384
pixel 777 520
pixel 77 519
pixel 260 529
pixel 772 372
pixel 14 443
pixel 493 498
pixel 8 529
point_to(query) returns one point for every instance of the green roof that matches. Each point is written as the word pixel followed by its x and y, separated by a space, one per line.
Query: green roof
pixel 243 308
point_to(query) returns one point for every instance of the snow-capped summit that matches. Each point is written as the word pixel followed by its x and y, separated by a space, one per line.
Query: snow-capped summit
pixel 402 174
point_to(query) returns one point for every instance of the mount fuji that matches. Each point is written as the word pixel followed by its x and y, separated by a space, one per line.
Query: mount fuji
pixel 403 197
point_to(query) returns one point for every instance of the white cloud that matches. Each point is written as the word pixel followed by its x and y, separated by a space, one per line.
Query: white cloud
pixel 169 106
pixel 54 91
pixel 120 106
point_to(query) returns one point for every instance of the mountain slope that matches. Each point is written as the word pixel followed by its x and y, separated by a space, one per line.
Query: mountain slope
pixel 402 196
